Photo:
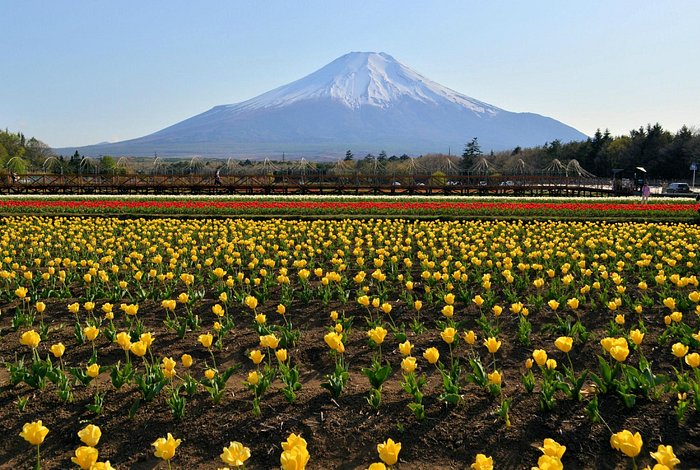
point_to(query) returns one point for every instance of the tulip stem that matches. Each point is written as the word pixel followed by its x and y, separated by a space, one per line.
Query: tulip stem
pixel 38 457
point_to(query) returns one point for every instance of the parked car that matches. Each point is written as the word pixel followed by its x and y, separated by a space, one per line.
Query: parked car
pixel 678 188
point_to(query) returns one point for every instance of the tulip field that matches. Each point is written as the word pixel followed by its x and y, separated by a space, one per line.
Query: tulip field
pixel 675 209
pixel 350 343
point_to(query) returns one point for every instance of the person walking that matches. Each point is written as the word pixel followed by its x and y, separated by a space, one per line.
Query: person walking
pixel 217 177
pixel 646 191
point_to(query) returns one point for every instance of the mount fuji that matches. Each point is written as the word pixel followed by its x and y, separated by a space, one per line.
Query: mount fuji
pixel 363 101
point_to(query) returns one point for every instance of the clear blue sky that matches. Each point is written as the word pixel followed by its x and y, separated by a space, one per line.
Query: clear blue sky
pixel 81 72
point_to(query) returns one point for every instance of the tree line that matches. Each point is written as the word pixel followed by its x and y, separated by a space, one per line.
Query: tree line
pixel 664 155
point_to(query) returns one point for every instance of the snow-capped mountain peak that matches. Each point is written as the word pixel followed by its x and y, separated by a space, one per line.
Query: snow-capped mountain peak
pixel 365 79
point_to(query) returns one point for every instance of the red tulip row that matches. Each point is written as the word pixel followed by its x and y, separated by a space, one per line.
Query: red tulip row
pixel 321 206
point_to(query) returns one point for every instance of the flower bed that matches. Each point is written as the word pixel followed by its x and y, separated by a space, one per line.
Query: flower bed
pixel 358 207
pixel 343 343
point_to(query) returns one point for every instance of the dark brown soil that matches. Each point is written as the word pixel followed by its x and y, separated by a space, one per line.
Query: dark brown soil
pixel 341 434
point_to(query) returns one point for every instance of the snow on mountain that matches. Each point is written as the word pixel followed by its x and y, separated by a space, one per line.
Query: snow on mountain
pixel 365 78
pixel 363 101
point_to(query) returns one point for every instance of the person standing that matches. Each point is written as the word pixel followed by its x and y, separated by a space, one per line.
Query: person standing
pixel 646 191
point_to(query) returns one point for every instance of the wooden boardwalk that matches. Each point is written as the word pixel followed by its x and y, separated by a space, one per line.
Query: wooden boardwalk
pixel 289 184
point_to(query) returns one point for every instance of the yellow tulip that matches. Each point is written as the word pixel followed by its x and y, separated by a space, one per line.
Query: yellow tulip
pixel 572 303
pixel 693 360
pixel 448 311
pixel 147 339
pixel 497 310
pixel 253 378
pixel 408 364
pixel 186 361
pixel 295 458
pixel 40 307
pixel 251 302
pixel 664 455
pixel 417 305
pixel 218 310
pixel 57 350
pixel 607 343
pixel 93 370
pixel 636 336
pixel 478 300
pixel 377 466
pixel 553 304
pixel 469 337
pixel 168 363
pixel 235 454
pixel 482 462
pixel 91 332
pixel 294 441
pixel 281 355
pixel 124 340
pixel 540 356
pixel 335 342
pixel 494 377
pixel 389 451
pixel 553 448
pixel 90 435
pixel 448 335
pixel 281 309
pixel 676 317
pixel 21 292
pixel 405 348
pixel 269 341
pixel 619 353
pixel 139 348
pixel 694 297
pixel 85 457
pixel 256 356
pixel 165 447
pixel 30 338
pixel 679 350
pixel 377 335
pixel 206 340
pixel 551 364
pixel 386 307
pixel 548 462
pixel 131 309
pixel 670 303
pixel 627 443
pixel 431 355
pixel 260 319
pixel 210 374
pixel 492 344
pixel 34 432
pixel 564 343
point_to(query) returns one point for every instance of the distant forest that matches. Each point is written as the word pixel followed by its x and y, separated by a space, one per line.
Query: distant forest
pixel 663 154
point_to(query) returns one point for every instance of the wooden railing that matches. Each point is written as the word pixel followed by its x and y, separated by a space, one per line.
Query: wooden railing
pixel 315 183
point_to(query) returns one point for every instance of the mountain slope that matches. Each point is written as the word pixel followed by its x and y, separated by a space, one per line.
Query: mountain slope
pixel 362 101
